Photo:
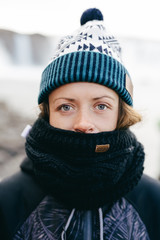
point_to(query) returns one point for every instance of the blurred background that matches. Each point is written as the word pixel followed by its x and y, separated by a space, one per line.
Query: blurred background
pixel 29 31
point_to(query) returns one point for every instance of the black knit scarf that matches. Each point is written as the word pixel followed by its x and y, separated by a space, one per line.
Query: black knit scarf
pixel 66 165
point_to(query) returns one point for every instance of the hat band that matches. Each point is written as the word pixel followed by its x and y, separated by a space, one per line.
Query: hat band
pixel 85 66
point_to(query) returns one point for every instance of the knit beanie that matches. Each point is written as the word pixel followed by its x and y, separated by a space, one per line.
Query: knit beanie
pixel 90 54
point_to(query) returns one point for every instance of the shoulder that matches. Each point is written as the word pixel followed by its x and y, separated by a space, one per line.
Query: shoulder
pixel 145 198
pixel 18 187
pixel 19 195
pixel 148 189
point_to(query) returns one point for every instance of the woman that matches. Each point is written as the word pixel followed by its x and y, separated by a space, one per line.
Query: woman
pixel 83 175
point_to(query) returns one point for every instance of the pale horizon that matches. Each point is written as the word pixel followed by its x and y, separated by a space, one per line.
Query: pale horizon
pixel 138 19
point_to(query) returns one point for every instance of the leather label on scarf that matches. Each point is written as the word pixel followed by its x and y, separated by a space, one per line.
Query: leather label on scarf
pixel 102 148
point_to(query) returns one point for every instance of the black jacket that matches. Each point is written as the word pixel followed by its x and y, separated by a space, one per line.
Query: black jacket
pixel 20 194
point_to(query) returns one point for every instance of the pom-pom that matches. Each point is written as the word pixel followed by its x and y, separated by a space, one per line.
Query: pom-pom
pixel 91 14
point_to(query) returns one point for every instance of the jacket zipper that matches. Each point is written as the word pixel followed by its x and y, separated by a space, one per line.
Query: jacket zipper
pixel 87 234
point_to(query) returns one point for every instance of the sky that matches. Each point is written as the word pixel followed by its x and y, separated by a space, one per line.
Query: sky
pixel 132 18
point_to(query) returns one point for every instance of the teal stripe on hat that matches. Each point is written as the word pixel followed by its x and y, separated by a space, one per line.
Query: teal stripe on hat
pixel 62 70
pixel 78 66
pixel 122 79
pixel 119 75
pixel 116 69
pixel 84 66
pixel 115 75
pixel 67 68
pixel 90 71
pixel 102 69
pixel 52 76
pixel 58 72
pixel 111 73
pixel 49 75
pixel 107 71
pixel 73 67
pixel 96 68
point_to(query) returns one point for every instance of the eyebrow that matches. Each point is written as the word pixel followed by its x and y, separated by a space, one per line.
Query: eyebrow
pixel 68 99
pixel 73 100
pixel 106 96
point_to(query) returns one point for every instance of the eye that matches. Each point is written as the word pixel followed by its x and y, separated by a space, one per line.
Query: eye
pixel 101 107
pixel 65 108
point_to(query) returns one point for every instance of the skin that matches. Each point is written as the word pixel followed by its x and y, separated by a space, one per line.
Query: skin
pixel 84 107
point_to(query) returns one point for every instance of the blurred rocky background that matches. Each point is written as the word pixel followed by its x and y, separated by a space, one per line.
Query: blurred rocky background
pixel 11 142
pixel 22 59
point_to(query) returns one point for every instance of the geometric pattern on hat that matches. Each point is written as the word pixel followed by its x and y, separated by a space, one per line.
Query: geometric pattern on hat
pixel 90 54
pixel 91 37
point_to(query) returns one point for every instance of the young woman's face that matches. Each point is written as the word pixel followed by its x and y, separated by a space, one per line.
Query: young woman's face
pixel 84 107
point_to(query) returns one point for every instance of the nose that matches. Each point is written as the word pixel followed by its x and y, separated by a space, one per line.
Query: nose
pixel 83 123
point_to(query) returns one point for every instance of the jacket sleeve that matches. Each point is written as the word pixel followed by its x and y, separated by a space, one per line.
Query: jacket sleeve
pixel 19 196
pixel 146 200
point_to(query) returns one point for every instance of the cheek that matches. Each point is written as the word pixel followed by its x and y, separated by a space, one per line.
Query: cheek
pixel 114 119
pixel 108 122
pixel 53 118
pixel 58 121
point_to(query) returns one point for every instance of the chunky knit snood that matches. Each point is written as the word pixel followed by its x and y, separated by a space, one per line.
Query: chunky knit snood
pixel 67 166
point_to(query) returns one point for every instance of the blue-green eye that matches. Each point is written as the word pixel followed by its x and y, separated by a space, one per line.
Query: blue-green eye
pixel 65 108
pixel 101 107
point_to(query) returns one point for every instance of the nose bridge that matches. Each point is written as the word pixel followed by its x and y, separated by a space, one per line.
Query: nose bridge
pixel 83 121
pixel 83 115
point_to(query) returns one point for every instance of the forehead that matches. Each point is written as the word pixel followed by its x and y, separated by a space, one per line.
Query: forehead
pixel 85 89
